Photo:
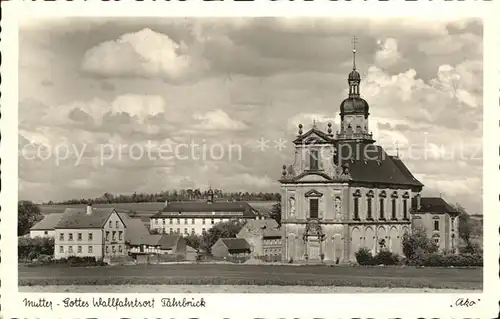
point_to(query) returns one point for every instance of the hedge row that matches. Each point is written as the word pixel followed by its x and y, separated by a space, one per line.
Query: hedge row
pixel 364 257
pixel 447 260
pixel 72 261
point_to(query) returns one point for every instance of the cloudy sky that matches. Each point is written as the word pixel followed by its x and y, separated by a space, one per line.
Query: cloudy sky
pixel 91 86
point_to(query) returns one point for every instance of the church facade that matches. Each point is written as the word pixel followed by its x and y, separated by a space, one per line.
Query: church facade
pixel 343 191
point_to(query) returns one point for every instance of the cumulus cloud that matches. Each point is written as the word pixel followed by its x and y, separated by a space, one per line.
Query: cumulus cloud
pixel 218 120
pixel 443 99
pixel 169 83
pixel 388 54
pixel 308 119
pixel 145 53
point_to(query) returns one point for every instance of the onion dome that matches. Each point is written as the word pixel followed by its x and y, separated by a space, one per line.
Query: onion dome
pixel 353 105
pixel 354 76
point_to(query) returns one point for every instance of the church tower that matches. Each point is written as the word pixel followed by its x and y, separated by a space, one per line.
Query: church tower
pixel 354 110
pixel 343 192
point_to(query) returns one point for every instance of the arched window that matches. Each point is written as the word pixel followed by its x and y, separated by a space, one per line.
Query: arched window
pixel 405 209
pixel 356 195
pixel 356 207
pixel 369 208
pixel 382 208
pixel 436 225
pixel 393 209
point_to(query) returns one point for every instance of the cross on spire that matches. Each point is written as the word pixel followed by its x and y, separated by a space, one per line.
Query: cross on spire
pixel 314 123
pixel 354 41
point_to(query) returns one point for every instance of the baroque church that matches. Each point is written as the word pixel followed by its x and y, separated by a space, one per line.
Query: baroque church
pixel 343 191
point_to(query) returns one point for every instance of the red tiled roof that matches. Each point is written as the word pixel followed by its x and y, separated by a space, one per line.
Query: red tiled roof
pixel 49 222
pixel 269 228
pixel 136 230
pixel 235 245
pixel 164 241
pixel 169 241
pixel 78 218
pixel 205 209
pixel 433 205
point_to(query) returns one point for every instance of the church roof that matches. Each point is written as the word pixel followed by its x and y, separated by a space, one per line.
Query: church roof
pixel 371 164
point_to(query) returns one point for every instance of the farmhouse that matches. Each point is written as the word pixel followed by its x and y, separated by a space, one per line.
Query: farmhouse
pixel 88 231
pixel 158 244
pixel 264 238
pixel 231 247
pixel 197 217
pixel 343 191
pixel 439 219
pixel 46 227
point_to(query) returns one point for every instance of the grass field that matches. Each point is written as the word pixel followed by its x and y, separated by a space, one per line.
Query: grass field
pixel 276 275
pixel 210 289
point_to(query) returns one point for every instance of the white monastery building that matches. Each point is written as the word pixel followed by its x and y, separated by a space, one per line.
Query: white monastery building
pixel 197 217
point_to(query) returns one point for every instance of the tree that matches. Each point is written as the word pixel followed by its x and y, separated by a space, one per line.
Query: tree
pixel 416 243
pixel 276 213
pixel 464 223
pixel 31 248
pixel 108 197
pixel 193 240
pixel 28 214
pixel 227 229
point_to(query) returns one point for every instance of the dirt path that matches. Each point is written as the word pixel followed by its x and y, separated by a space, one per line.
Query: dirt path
pixel 230 289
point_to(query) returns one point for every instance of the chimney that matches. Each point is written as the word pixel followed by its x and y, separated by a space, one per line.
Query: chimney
pixel 89 209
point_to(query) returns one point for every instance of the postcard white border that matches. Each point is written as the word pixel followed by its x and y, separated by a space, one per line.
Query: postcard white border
pixel 260 305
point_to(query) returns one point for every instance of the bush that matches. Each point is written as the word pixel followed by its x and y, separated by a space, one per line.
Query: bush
pixel 385 257
pixel 417 242
pixel 448 260
pixel 470 248
pixel 75 261
pixel 31 248
pixel 364 257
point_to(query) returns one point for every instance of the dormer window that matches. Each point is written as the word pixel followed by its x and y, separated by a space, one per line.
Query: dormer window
pixel 313 160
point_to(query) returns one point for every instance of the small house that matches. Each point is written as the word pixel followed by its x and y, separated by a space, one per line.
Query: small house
pixel 231 247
